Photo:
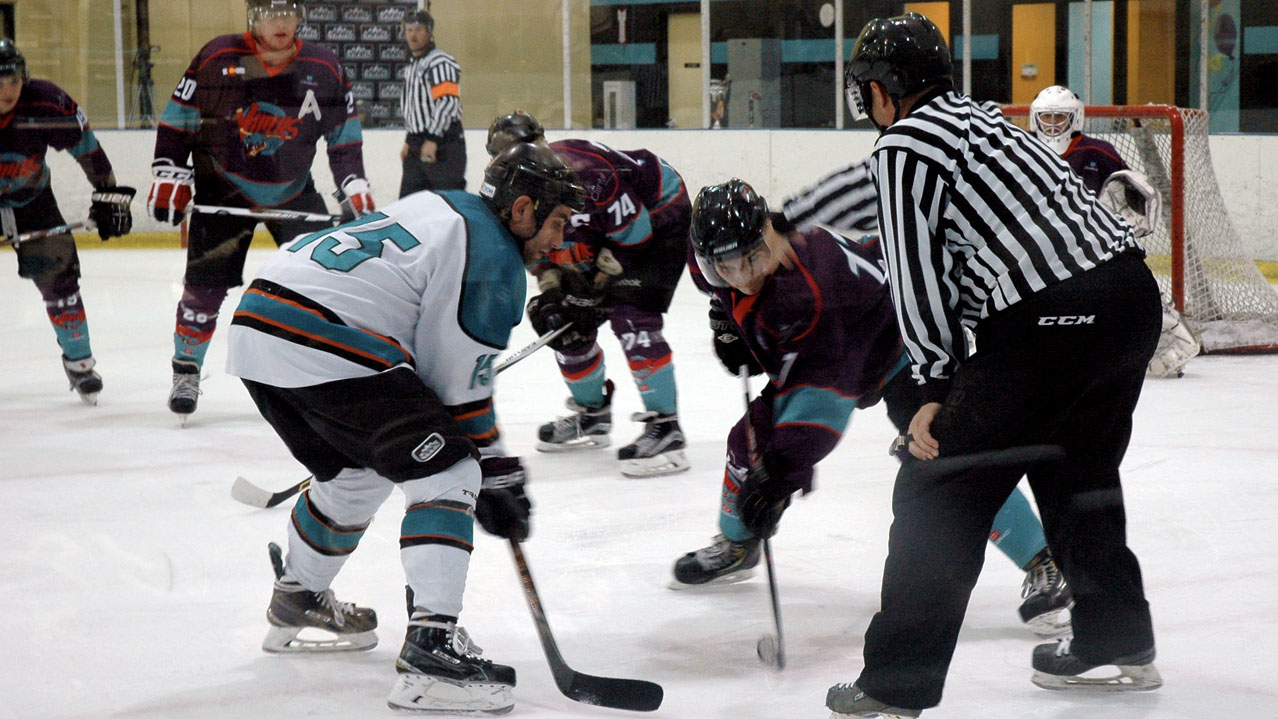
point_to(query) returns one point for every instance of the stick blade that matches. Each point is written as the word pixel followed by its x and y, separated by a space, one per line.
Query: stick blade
pixel 629 694
pixel 250 494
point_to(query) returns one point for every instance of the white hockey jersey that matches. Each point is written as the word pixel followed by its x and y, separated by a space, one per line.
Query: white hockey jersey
pixel 433 281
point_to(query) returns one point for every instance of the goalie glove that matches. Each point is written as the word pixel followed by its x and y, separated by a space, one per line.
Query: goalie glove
pixel 502 507
pixel 1130 195
pixel 171 190
pixel 110 210
pixel 357 196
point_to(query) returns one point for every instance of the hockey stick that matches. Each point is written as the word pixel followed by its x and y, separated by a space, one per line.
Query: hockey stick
pixel 1025 455
pixel 41 234
pixel 266 214
pixel 245 491
pixel 771 649
pixel 629 694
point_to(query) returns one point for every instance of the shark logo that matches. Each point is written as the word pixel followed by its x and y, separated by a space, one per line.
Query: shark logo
pixel 264 128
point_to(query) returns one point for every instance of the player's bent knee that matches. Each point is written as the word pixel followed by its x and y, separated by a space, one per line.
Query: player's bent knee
pixel 402 456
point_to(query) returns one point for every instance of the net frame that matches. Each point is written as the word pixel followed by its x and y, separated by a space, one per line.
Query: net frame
pixel 1196 253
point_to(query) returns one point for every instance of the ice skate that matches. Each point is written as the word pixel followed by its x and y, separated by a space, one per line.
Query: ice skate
pixel 658 451
pixel 1056 668
pixel 83 379
pixel 186 388
pixel 846 701
pixel 723 562
pixel 1046 609
pixel 440 672
pixel 585 428
pixel 331 626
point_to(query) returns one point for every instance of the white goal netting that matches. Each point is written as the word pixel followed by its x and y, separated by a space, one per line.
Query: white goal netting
pixel 1196 254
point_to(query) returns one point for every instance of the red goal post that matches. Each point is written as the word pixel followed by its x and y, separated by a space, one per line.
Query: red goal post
pixel 1200 261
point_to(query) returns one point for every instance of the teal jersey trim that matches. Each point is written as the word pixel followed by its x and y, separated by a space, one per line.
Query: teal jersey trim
pixel 87 145
pixel 290 322
pixel 181 117
pixel 264 194
pixel 447 523
pixel 347 133
pixel 324 539
pixel 810 405
pixel 494 283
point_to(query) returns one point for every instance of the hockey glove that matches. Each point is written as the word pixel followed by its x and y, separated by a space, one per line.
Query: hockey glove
pixel 728 345
pixel 763 497
pixel 357 196
pixel 502 507
pixel 110 210
pixel 171 191
pixel 567 297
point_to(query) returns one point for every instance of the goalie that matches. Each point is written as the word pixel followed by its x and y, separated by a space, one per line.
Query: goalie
pixel 1056 117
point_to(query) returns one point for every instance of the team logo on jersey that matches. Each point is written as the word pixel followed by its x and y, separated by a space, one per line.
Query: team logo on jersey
pixel 265 127
pixel 17 171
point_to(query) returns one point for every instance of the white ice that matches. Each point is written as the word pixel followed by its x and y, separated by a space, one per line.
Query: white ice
pixel 132 585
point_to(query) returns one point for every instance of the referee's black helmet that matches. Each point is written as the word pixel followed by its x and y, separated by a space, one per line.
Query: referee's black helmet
pixel 905 54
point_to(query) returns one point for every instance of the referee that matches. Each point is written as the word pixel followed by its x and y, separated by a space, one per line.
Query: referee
pixel 434 155
pixel 985 227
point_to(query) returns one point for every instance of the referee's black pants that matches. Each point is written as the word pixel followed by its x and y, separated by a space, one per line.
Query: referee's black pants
pixel 1062 367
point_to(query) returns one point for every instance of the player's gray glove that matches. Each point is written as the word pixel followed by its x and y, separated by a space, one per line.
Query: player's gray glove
pixel 502 507
pixel 110 210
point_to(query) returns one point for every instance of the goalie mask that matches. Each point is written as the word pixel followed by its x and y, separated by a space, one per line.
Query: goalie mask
pixel 727 236
pixel 518 126
pixel 1056 117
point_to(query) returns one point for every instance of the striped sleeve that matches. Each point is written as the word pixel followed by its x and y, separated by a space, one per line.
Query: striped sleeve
pixel 432 95
pixel 845 200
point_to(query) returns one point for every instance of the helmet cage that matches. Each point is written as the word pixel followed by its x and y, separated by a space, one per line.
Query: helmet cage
pixel 259 10
pixel 1056 116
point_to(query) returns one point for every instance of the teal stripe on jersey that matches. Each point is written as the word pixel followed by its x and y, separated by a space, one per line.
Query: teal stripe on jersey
pixel 494 283
pixel 448 523
pixel 320 533
pixel 264 194
pixel 346 133
pixel 180 116
pixel 639 230
pixel 290 322
pixel 87 145
pixel 814 406
pixel 479 424
pixel 671 184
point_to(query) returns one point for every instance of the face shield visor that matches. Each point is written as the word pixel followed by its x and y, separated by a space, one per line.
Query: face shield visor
pixel 745 272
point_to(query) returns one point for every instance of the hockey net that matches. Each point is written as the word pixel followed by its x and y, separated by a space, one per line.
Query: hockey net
pixel 1197 255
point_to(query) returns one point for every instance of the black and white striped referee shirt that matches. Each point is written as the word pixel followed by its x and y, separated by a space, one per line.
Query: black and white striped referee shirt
pixel 845 200
pixel 431 104
pixel 977 215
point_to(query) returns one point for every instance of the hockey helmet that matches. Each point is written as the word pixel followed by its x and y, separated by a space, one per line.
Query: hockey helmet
pixel 518 126
pixel 11 61
pixel 904 54
pixel 420 17
pixel 536 171
pixel 1056 117
pixel 727 230
pixel 266 9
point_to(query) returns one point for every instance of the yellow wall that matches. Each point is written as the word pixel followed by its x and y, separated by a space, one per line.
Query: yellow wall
pixel 1033 43
pixel 1151 51
pixel 937 12
pixel 72 43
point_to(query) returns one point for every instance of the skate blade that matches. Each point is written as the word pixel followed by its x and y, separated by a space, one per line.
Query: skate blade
pixel 725 580
pixel 90 399
pixel 596 441
pixel 287 640
pixel 881 715
pixel 1129 678
pixel 1053 624
pixel 659 465
pixel 426 694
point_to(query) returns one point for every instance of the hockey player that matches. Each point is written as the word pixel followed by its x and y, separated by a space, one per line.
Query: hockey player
pixel 1056 117
pixel 983 229
pixel 369 348
pixel 621 261
pixel 36 115
pixel 240 130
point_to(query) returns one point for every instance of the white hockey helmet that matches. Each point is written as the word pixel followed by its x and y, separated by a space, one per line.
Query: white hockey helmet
pixel 1056 117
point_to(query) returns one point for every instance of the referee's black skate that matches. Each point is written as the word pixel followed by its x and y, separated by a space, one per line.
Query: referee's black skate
pixel 440 671
pixel 658 451
pixel 846 701
pixel 585 428
pixel 1048 599
pixel 723 562
pixel 1055 667
pixel 186 388
pixel 86 382
pixel 330 625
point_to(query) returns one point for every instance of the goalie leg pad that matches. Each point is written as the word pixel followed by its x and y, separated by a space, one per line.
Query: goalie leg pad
pixel 1176 346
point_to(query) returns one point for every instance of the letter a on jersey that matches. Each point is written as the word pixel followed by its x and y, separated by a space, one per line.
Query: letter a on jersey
pixel 310 106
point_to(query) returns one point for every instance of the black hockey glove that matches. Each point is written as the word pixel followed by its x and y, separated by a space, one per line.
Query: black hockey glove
pixel 728 345
pixel 502 507
pixel 110 210
pixel 763 497
pixel 573 300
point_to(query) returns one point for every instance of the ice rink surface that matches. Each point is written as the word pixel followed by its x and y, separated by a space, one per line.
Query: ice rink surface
pixel 132 585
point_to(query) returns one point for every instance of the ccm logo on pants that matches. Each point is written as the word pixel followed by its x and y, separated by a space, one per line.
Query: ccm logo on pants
pixel 1067 320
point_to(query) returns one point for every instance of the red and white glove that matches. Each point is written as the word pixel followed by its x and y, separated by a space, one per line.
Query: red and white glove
pixel 358 196
pixel 171 192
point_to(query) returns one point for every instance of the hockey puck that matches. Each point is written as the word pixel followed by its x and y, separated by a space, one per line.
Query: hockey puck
pixel 768 652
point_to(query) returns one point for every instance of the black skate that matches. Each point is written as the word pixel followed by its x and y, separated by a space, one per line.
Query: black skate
pixel 724 562
pixel 658 451
pixel 1048 600
pixel 847 700
pixel 440 671
pixel 585 428
pixel 186 388
pixel 83 379
pixel 344 626
pixel 1056 668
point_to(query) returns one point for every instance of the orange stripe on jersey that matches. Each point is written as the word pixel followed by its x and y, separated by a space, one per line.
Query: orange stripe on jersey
pixel 316 338
pixel 445 88
pixel 317 313
pixel 572 376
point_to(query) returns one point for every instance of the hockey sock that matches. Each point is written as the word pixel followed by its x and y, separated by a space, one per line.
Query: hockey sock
pixel 327 523
pixel 1016 530
pixel 65 307
pixel 437 535
pixel 584 374
pixel 196 319
pixel 649 357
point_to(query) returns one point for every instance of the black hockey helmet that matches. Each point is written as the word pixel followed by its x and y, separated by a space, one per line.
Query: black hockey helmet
pixel 420 17
pixel 259 9
pixel 905 54
pixel 518 126
pixel 11 61
pixel 727 220
pixel 536 171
